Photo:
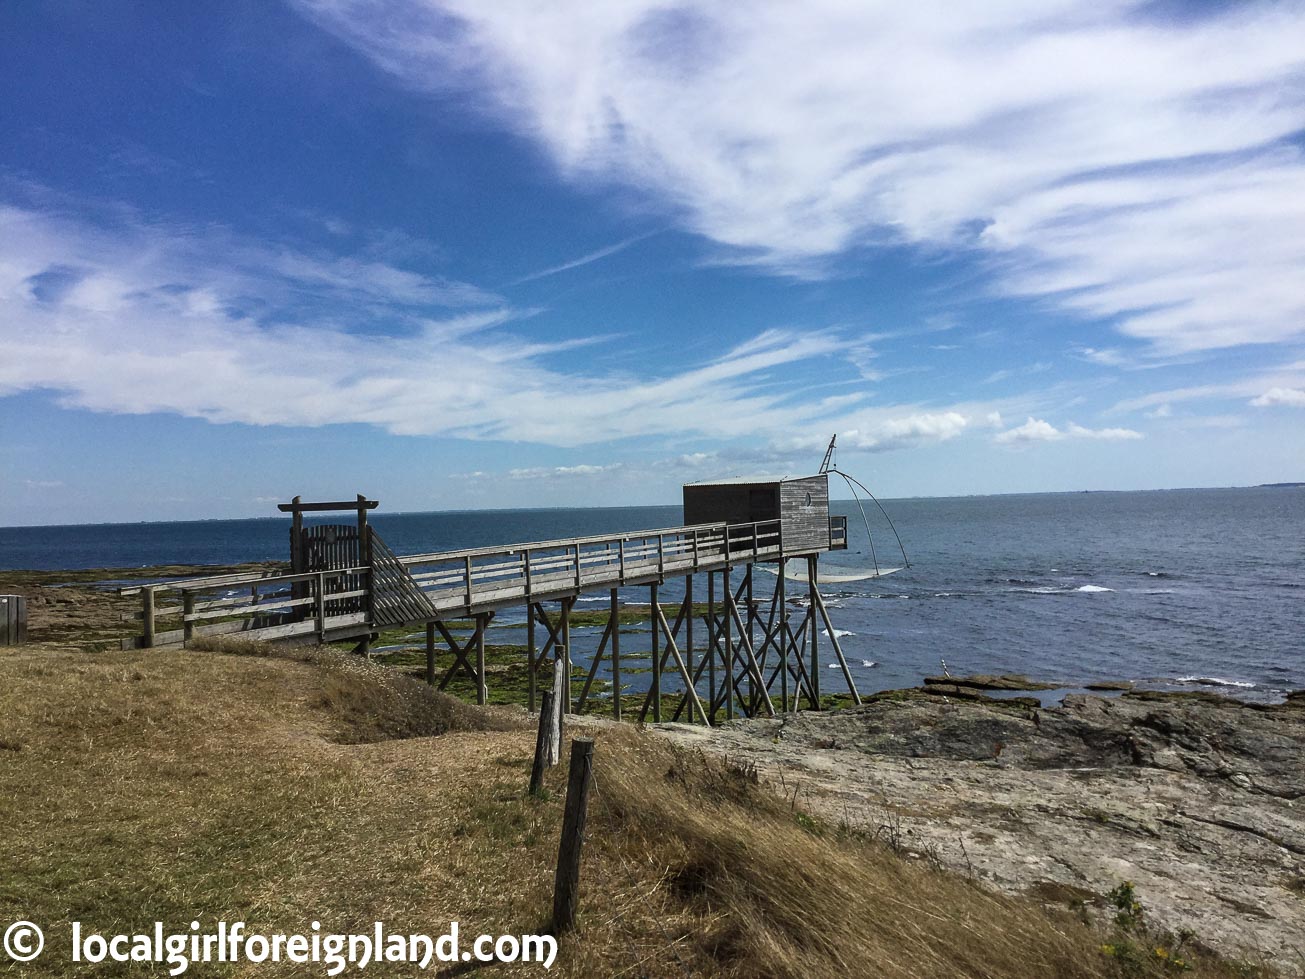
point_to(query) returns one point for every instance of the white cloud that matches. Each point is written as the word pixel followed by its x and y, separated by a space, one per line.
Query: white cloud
pixel 1038 430
pixel 1123 164
pixel 1290 397
pixel 1161 411
pixel 139 320
pixel 562 472
pixel 1111 357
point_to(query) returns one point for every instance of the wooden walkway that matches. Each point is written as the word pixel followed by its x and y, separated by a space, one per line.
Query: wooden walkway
pixel 394 591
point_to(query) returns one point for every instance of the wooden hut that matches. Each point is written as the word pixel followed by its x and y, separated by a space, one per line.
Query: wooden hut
pixel 800 505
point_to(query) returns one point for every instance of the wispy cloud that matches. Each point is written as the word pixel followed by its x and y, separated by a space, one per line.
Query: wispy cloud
pixel 583 260
pixel 1038 430
pixel 1121 165
pixel 142 319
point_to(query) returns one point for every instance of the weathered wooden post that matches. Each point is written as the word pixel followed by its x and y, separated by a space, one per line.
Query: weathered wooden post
pixel 147 617
pixel 616 657
pixel 656 657
pixel 13 620
pixel 542 741
pixel 187 620
pixel 430 653
pixel 555 712
pixel 566 884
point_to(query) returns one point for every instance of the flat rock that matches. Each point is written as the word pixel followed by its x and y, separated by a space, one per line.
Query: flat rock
pixel 1199 801
pixel 986 681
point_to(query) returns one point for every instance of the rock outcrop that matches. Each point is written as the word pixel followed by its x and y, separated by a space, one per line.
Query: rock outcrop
pixel 1198 800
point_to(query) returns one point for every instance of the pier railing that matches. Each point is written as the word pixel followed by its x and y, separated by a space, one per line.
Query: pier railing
pixel 482 578
pixel 343 602
pixel 266 606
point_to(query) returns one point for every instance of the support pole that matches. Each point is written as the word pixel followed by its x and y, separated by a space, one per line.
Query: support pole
pixel 566 884
pixel 541 744
pixel 729 640
pixel 656 658
pixel 838 650
pixel 688 635
pixel 532 665
pixel 750 620
pixel 482 690
pixel 566 654
pixel 813 600
pixel 783 633
pixel 711 642
pixel 430 653
pixel 616 656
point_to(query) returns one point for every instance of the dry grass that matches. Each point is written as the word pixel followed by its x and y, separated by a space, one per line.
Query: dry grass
pixel 279 790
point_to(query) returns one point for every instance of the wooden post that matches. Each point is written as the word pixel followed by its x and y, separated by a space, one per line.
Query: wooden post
pixel 430 653
pixel 566 884
pixel 321 606
pixel 729 640
pixel 813 603
pixel 482 690
pixel 656 658
pixel 13 620
pixel 147 617
pixel 751 619
pixel 297 563
pixel 783 633
pixel 688 625
pixel 616 656
pixel 565 651
pixel 555 712
pixel 187 610
pixel 532 666
pixel 542 740
pixel 712 642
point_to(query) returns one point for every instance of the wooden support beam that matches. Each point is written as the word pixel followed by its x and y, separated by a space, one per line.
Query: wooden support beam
pixel 593 666
pixel 688 602
pixel 566 653
pixel 656 693
pixel 812 604
pixel 660 663
pixel 744 655
pixel 430 653
pixel 532 666
pixel 838 650
pixel 690 691
pixel 728 692
pixel 482 689
pixel 616 657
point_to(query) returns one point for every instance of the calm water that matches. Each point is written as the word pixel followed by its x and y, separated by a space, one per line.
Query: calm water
pixel 1170 588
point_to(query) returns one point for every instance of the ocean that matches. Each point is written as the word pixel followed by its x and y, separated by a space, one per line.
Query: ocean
pixel 1182 589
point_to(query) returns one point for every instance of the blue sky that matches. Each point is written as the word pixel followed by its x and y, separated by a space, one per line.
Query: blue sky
pixel 455 254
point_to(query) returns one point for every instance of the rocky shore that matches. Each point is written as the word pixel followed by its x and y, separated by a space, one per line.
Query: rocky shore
pixel 1197 800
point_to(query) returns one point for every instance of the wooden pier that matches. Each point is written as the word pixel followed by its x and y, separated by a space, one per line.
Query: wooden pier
pixel 346 584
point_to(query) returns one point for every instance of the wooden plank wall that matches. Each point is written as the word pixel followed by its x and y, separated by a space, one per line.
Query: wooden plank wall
pixel 13 620
pixel 806 525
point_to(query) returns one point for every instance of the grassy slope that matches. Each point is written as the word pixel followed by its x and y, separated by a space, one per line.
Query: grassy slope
pixel 143 786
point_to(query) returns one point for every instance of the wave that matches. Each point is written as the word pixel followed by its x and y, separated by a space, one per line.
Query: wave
pixel 1215 681
pixel 869 663
pixel 838 633
pixel 1092 588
